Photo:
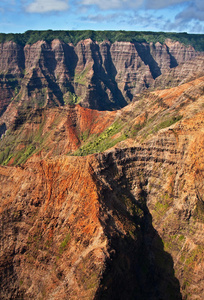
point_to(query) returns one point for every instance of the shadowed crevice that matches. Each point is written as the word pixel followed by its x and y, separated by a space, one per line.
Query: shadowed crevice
pixel 105 91
pixel 144 53
pixel 2 129
pixel 138 267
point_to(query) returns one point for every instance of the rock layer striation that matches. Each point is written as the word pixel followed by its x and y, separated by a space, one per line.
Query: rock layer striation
pixel 126 223
pixel 96 75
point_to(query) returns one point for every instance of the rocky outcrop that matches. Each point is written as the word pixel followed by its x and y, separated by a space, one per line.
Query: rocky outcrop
pixel 12 58
pixel 12 65
pixel 178 53
pixel 66 226
pixel 65 264
pixel 104 226
pixel 51 132
pixel 162 177
pixel 185 72
pixel 126 223
pixel 96 75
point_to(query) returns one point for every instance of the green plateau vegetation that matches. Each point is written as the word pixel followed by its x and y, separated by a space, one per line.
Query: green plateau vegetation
pixel 74 36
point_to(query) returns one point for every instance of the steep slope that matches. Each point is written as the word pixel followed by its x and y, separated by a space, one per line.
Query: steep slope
pixel 58 235
pixel 97 75
pixel 51 132
pixel 81 131
pixel 126 223
pixel 166 175
pixel 69 230
pixel 185 72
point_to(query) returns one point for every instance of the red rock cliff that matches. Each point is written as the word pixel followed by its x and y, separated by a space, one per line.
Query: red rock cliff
pixel 96 75
pixel 123 224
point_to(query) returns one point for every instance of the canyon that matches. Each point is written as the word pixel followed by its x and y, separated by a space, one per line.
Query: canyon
pixel 103 76
pixel 102 167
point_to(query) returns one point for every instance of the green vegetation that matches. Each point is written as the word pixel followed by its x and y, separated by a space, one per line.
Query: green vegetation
pixel 21 282
pixel 88 273
pixel 7 160
pixel 64 243
pixel 38 97
pixel 132 207
pixel 4 155
pixel 136 128
pixel 81 78
pixel 161 208
pixel 70 98
pixel 198 213
pixel 12 84
pixel 166 123
pixel 192 257
pixel 176 242
pixel 104 141
pixel 181 238
pixel 154 124
pixel 23 156
pixel 19 144
pixel 74 36
pixel 84 135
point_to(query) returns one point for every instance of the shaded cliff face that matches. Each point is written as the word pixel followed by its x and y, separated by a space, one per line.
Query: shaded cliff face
pixel 96 75
pixel 125 223
pixel 12 64
pixel 65 235
pixel 163 177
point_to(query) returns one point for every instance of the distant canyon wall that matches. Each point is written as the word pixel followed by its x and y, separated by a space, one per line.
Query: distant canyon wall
pixel 101 76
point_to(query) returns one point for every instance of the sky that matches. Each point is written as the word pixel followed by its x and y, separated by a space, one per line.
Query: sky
pixel 18 16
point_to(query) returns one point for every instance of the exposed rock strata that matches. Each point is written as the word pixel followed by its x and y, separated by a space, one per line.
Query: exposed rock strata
pixel 96 75
pixel 126 223
pixel 184 72
pixel 86 226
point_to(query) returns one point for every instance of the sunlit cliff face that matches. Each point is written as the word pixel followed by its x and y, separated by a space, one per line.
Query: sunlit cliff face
pixel 100 76
pixel 101 204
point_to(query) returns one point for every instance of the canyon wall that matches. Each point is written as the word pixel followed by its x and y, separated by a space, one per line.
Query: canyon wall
pixel 126 223
pixel 96 75
pixel 101 187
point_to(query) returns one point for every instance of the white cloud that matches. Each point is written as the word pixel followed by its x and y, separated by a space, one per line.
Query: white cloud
pixel 43 6
pixel 157 4
pixel 113 4
pixel 183 15
pixel 128 4
pixel 199 4
pixel 100 18
pixel 191 13
pixel 195 11
pixel 144 4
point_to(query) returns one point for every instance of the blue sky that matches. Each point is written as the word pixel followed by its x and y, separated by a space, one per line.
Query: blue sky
pixel 17 16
